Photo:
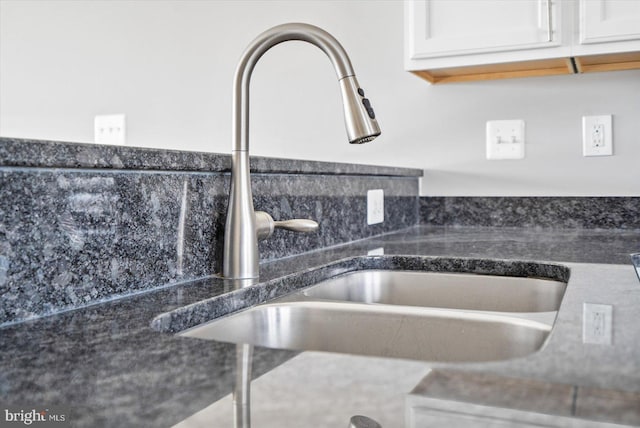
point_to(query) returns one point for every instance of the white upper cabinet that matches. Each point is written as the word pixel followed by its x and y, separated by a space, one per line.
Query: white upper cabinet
pixel 453 40
pixel 453 28
pixel 606 21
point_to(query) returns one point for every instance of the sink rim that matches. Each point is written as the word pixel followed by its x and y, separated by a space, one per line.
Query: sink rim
pixel 493 293
pixel 510 337
pixel 524 319
pixel 278 284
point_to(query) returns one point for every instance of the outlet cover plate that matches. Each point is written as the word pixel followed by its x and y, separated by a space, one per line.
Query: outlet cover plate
pixel 375 206
pixel 597 323
pixel 597 136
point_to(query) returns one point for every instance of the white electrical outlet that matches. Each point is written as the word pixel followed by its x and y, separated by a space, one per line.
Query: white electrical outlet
pixel 597 323
pixel 597 136
pixel 376 252
pixel 505 139
pixel 375 206
pixel 110 129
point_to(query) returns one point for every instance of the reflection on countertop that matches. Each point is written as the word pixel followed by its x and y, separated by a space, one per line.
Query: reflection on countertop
pixel 110 368
pixel 635 259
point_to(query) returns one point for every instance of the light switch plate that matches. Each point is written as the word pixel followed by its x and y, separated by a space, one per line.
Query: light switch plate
pixel 375 206
pixel 110 129
pixel 505 139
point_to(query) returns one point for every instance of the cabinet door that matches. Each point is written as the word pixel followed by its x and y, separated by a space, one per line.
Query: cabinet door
pixel 603 21
pixel 446 28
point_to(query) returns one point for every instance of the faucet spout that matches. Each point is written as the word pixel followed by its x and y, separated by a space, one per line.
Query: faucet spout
pixel 240 259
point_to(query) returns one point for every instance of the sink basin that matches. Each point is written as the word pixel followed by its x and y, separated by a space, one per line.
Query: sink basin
pixel 417 315
pixel 427 334
pixel 441 290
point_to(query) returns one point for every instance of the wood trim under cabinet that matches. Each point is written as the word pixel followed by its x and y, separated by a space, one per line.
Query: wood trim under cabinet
pixel 537 68
pixel 608 62
pixel 544 67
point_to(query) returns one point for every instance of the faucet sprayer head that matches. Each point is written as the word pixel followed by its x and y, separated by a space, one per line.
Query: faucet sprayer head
pixel 359 117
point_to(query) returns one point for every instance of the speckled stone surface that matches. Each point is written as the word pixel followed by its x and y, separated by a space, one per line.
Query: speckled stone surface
pixel 496 391
pixel 535 212
pixel 99 222
pixel 112 369
pixel 491 395
pixel 103 365
pixel 337 203
pixel 71 237
pixel 75 236
pixel 58 154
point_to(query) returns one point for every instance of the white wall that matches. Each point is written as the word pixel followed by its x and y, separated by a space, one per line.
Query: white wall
pixel 168 65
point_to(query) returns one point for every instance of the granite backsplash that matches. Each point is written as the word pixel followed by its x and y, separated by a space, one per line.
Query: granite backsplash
pixel 532 212
pixel 83 223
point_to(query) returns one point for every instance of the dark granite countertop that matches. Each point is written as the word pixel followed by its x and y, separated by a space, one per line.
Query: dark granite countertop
pixel 19 152
pixel 106 366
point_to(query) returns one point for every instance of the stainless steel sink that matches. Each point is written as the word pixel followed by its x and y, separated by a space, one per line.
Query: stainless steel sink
pixel 418 315
pixel 427 334
pixel 441 290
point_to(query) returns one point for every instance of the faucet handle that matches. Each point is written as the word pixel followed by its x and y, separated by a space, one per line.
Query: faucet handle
pixel 301 225
pixel 265 225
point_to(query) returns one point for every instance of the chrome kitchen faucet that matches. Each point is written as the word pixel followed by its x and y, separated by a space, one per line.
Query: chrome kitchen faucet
pixel 244 226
